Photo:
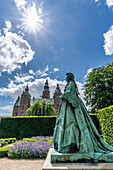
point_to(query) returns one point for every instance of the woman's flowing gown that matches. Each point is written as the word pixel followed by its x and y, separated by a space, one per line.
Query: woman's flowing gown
pixel 75 130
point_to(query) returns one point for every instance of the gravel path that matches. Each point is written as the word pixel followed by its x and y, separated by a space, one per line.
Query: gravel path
pixel 21 164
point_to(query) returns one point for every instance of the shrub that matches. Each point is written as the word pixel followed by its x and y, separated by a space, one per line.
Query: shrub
pixel 26 127
pixel 39 138
pixel 105 117
pixel 20 127
pixel 29 150
pixel 6 141
pixel 4 150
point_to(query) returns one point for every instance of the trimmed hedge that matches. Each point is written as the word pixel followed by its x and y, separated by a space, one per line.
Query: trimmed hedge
pixel 36 140
pixel 4 150
pixel 6 141
pixel 105 117
pixel 26 127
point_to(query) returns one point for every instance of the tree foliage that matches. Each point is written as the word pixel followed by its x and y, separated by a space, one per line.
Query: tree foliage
pixel 99 88
pixel 41 108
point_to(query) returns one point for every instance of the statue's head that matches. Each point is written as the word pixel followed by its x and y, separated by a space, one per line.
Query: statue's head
pixel 69 76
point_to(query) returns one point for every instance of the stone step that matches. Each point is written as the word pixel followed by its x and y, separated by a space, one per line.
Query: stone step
pixel 75 166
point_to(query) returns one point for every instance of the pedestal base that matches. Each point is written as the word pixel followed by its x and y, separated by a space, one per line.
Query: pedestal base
pixel 75 166
pixel 80 157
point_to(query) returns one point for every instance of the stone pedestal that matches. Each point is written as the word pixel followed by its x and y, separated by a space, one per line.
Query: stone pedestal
pixel 74 166
pixel 81 157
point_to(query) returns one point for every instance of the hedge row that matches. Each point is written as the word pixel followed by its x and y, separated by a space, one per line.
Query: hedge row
pixel 4 150
pixel 20 127
pixel 7 141
pixel 105 117
pixel 25 127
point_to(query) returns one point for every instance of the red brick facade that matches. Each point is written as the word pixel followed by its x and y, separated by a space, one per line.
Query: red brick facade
pixel 24 102
pixel 57 102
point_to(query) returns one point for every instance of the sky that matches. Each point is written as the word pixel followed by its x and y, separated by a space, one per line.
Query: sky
pixel 42 39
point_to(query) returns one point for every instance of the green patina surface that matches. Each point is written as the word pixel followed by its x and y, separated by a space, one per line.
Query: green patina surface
pixel 80 157
pixel 75 131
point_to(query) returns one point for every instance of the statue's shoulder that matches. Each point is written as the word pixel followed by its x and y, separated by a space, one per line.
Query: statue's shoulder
pixel 71 83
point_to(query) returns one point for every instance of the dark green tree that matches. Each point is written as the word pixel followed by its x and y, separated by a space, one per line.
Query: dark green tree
pixel 99 88
pixel 41 108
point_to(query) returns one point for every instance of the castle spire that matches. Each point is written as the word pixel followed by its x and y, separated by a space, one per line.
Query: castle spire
pixel 56 94
pixel 46 92
pixel 27 89
pixel 57 89
pixel 46 86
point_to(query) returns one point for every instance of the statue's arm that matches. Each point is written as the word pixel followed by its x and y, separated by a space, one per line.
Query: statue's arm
pixel 68 91
pixel 70 94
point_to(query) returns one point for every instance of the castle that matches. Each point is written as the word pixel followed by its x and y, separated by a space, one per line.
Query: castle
pixel 25 101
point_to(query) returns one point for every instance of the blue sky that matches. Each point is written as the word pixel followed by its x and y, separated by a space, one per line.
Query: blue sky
pixel 42 39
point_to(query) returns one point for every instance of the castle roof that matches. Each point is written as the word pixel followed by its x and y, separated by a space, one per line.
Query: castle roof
pixel 33 100
pixel 26 92
pixel 46 86
pixel 17 103
pixel 57 89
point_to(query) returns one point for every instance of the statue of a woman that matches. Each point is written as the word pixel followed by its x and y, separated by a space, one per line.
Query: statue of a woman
pixel 75 131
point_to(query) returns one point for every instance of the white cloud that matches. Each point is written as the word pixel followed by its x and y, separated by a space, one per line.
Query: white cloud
pixel 46 68
pixel 31 72
pixel 7 108
pixel 8 24
pixel 109 3
pixel 81 89
pixel 24 78
pixel 5 114
pixel 36 87
pixel 55 69
pixel 6 111
pixel 14 51
pixel 43 73
pixel 108 41
pixel 88 71
pixel 20 4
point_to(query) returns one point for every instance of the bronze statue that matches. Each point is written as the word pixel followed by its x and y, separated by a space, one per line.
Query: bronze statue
pixel 75 131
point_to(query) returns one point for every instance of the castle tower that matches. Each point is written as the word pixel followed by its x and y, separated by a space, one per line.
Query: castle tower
pixel 46 92
pixel 57 101
pixel 16 108
pixel 25 101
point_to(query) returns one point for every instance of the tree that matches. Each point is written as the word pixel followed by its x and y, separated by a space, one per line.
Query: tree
pixel 99 87
pixel 41 108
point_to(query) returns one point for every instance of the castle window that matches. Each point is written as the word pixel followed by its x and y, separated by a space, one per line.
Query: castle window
pixel 23 101
pixel 22 113
pixel 22 107
pixel 16 114
pixel 16 108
